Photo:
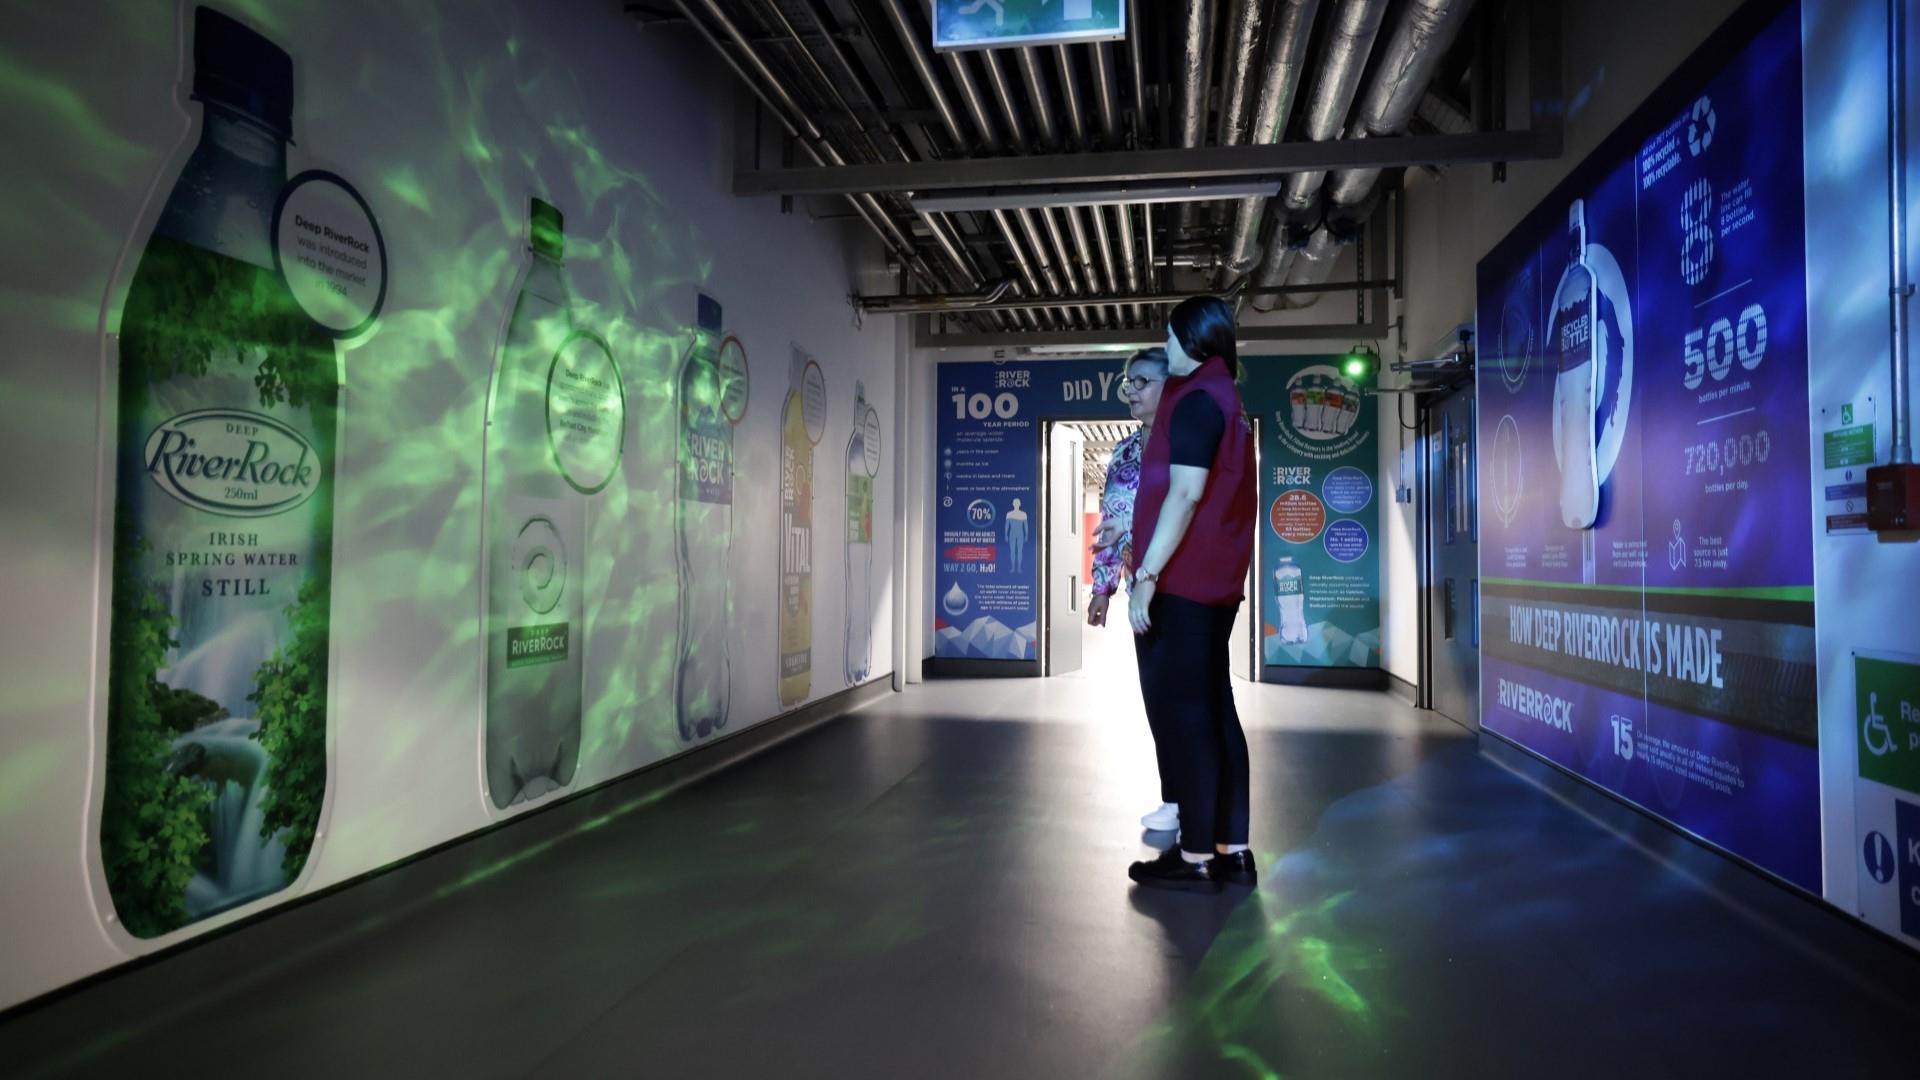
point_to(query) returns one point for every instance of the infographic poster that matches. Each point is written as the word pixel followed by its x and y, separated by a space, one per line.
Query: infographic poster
pixel 987 518
pixel 1646 535
pixel 1318 579
pixel 214 782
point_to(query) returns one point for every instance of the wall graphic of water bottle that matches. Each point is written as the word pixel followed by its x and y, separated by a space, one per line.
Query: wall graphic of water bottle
pixel 803 420
pixel 863 465
pixel 713 389
pixel 1290 592
pixel 1575 407
pixel 216 768
pixel 555 431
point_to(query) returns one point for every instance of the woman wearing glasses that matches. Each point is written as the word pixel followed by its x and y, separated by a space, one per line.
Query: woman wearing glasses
pixel 1193 521
pixel 1112 544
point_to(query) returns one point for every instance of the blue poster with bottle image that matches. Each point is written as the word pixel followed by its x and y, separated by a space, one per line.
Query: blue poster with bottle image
pixel 1646 544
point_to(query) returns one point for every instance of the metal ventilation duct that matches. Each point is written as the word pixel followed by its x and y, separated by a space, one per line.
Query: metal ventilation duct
pixel 1280 82
pixel 1355 24
pixel 1421 38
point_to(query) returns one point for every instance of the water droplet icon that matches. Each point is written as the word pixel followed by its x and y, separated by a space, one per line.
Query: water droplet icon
pixel 955 602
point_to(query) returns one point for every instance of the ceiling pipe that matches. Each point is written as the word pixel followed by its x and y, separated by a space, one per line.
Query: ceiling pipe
pixel 1282 250
pixel 1049 134
pixel 916 51
pixel 971 97
pixel 1036 81
pixel 1243 47
pixel 759 79
pixel 1070 95
pixel 1106 103
pixel 1077 130
pixel 1314 263
pixel 938 303
pixel 1425 32
pixel 1279 88
pixel 1196 82
pixel 1349 40
pixel 1002 88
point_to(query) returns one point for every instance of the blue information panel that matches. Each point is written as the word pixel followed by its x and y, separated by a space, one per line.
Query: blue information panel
pixel 987 547
pixel 994 24
pixel 1646 538
pixel 1319 574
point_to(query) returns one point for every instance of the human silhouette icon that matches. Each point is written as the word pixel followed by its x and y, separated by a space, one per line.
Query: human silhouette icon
pixel 1016 533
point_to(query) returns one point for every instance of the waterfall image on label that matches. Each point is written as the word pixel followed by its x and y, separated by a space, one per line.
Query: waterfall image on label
pixel 801 421
pixel 712 387
pixel 1573 393
pixel 1289 587
pixel 863 464
pixel 216 762
pixel 535 546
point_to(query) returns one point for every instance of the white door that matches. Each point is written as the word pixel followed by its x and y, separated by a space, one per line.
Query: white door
pixel 1065 550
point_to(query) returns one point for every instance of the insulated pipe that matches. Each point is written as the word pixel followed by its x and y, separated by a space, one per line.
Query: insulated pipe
pixel 1272 273
pixel 1314 265
pixel 1196 81
pixel 797 125
pixel 1425 31
pixel 1902 399
pixel 1279 86
pixel 1355 25
pixel 1242 49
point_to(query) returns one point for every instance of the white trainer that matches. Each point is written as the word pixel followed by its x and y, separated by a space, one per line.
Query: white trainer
pixel 1165 819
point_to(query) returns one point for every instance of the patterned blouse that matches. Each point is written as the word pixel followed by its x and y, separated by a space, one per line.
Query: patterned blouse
pixel 1116 505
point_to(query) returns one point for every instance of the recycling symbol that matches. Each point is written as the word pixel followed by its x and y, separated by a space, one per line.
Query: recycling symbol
pixel 1700 126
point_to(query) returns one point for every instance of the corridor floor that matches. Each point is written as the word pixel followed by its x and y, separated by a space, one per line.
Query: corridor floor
pixel 935 886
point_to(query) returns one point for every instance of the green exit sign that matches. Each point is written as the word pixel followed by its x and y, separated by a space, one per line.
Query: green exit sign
pixel 994 24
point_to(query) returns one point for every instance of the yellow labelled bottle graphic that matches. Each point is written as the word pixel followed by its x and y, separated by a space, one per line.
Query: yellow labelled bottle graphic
pixel 555 425
pixel 862 464
pixel 802 423
pixel 216 763
pixel 713 398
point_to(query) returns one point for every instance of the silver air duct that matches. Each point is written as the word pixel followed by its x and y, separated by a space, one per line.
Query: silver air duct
pixel 1286 57
pixel 1355 24
pixel 1424 34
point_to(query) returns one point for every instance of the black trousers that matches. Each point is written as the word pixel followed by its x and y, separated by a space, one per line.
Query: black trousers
pixel 1187 685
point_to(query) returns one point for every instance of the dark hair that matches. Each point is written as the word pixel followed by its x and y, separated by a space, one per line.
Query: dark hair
pixel 1203 325
pixel 1157 357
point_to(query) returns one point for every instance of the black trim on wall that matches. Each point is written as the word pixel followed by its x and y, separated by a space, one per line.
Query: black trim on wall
pixel 957 667
pixel 1337 678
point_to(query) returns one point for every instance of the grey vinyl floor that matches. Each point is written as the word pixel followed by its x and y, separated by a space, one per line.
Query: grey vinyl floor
pixel 935 886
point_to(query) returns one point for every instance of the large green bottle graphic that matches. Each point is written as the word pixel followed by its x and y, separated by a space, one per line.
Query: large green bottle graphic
pixel 862 464
pixel 712 394
pixel 216 769
pixel 555 428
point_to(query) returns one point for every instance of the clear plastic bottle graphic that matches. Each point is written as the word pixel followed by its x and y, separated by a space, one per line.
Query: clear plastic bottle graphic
pixel 1574 405
pixel 216 770
pixel 802 423
pixel 713 398
pixel 1335 408
pixel 1316 407
pixel 1297 397
pixel 1290 592
pixel 863 464
pixel 544 458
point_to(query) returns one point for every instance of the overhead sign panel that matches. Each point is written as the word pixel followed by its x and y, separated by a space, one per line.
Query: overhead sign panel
pixel 995 24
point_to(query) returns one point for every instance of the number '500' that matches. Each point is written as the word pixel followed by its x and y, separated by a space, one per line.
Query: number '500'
pixel 981 406
pixel 1713 350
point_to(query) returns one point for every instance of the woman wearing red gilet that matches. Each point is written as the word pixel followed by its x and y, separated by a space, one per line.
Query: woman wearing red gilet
pixel 1195 513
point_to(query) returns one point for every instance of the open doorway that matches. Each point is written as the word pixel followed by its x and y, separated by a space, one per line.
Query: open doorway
pixel 1078 454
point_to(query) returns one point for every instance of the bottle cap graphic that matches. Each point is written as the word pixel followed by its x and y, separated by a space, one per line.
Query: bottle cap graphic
pixel 548 228
pixel 235 66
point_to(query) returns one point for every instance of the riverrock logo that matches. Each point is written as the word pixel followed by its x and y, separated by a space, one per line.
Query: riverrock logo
pixel 230 462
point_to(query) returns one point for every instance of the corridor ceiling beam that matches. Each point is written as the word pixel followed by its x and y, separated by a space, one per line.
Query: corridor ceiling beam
pixel 1154 166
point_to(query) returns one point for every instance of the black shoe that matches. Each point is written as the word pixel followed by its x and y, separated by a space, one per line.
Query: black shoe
pixel 1172 871
pixel 1236 868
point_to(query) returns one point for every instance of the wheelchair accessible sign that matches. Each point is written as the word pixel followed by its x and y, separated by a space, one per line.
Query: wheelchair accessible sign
pixel 1887 702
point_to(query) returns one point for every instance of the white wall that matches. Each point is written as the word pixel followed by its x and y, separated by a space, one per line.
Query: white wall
pixel 446 116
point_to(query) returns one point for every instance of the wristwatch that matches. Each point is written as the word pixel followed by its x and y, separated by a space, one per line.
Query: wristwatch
pixel 1145 575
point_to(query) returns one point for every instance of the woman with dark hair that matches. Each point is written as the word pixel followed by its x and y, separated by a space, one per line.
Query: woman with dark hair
pixel 1193 522
pixel 1146 373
